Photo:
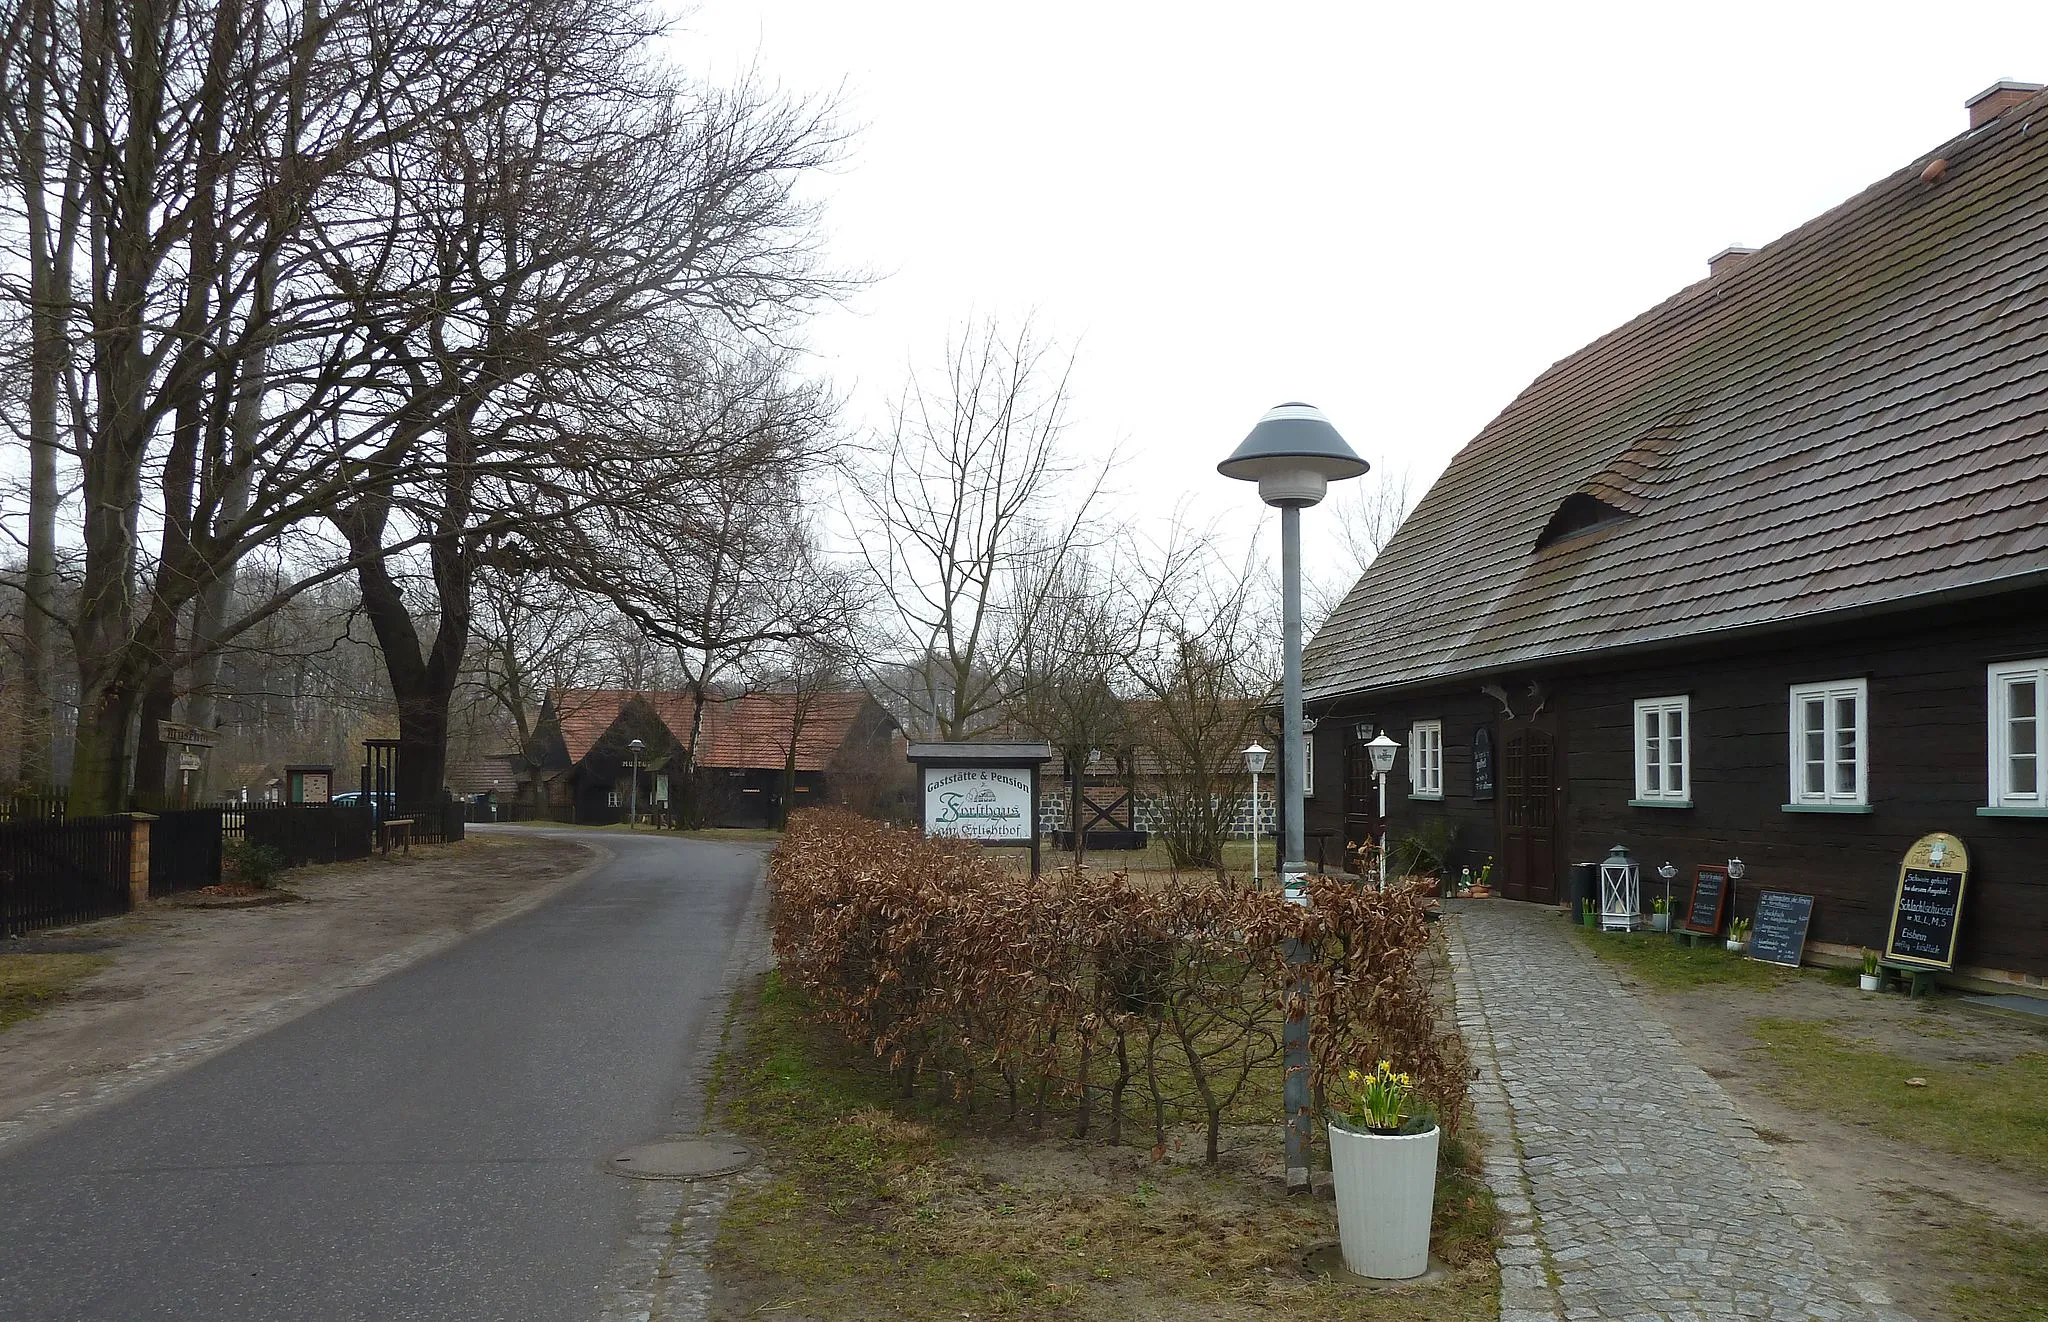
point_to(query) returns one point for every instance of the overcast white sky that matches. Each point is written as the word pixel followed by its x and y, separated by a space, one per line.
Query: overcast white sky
pixel 1400 213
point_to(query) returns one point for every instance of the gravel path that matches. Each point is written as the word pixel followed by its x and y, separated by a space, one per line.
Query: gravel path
pixel 1630 1186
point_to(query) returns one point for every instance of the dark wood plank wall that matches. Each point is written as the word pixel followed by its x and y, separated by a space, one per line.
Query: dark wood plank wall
pixel 1927 755
pixel 1926 773
pixel 1461 714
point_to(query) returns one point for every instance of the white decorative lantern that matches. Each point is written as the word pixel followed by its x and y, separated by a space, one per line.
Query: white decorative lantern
pixel 1621 891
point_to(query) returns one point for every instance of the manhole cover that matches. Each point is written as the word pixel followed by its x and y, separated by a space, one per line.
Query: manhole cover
pixel 682 1159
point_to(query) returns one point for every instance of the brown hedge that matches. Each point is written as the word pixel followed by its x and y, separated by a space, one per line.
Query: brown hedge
pixel 1078 990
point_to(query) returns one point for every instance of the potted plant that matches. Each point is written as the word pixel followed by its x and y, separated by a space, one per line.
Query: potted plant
pixel 1871 980
pixel 1738 934
pixel 1383 1145
pixel 1660 915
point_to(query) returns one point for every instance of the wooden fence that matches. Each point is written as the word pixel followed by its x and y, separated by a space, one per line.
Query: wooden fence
pixel 58 872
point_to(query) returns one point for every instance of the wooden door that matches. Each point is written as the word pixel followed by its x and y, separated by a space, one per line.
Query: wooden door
pixel 1529 817
pixel 1361 798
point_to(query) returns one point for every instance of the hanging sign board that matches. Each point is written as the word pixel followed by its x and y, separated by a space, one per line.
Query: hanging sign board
pixel 990 804
pixel 1709 908
pixel 1482 763
pixel 1927 911
pixel 1779 936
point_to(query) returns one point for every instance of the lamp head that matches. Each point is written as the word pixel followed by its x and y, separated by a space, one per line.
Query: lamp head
pixel 1255 758
pixel 1293 454
pixel 1382 750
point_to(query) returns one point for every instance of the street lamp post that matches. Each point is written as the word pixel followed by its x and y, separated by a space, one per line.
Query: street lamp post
pixel 636 748
pixel 1255 762
pixel 1293 454
pixel 1382 750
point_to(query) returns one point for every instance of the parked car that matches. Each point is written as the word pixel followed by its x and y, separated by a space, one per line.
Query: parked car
pixel 382 803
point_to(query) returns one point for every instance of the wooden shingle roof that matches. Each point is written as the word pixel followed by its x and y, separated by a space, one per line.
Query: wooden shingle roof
pixel 1853 419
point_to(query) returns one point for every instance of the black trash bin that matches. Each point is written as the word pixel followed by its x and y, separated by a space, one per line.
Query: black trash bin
pixel 1585 889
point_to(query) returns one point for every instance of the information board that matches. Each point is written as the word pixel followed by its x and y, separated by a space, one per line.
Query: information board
pixel 1709 901
pixel 989 804
pixel 1779 934
pixel 1482 763
pixel 1927 911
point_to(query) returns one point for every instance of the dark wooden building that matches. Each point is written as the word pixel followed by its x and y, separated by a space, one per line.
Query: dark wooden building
pixel 823 746
pixel 1761 574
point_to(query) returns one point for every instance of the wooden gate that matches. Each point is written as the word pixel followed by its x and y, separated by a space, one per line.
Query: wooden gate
pixel 1528 794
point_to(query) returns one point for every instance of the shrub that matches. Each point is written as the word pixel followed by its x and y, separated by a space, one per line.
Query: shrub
pixel 250 863
pixel 1078 989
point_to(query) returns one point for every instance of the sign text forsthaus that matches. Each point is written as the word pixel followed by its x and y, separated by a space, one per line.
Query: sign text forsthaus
pixel 979 803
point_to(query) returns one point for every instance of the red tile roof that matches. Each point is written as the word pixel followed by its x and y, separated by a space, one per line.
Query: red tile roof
pixel 754 730
pixel 751 731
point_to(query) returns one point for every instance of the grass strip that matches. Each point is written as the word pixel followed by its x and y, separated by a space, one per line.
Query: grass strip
pixel 2008 1271
pixel 1663 962
pixel 31 984
pixel 881 1208
pixel 1993 1113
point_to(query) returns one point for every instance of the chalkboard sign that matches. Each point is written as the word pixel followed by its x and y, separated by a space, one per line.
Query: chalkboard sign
pixel 1482 763
pixel 1709 901
pixel 1779 934
pixel 1928 909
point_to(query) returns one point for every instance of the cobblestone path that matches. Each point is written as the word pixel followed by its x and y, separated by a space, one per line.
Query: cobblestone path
pixel 1629 1185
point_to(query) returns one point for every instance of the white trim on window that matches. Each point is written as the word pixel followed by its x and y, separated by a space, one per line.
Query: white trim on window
pixel 1426 760
pixel 2015 693
pixel 1308 766
pixel 1663 743
pixel 1828 753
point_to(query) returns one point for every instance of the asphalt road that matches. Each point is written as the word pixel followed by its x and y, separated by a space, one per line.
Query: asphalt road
pixel 426 1147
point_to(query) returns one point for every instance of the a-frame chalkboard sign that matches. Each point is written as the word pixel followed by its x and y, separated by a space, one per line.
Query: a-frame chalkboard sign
pixel 1709 907
pixel 1927 911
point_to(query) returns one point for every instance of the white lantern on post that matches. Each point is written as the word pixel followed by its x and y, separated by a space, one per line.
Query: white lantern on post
pixel 1255 762
pixel 1382 750
pixel 1621 892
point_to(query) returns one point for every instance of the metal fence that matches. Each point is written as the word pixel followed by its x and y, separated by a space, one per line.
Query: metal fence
pixel 54 872
pixel 302 832
pixel 184 850
pixel 437 823
pixel 32 806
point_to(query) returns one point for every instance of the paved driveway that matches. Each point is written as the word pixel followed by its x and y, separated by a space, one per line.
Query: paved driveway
pixel 424 1148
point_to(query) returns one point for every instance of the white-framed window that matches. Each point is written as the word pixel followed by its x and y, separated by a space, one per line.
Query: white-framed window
pixel 1664 750
pixel 1308 766
pixel 1828 752
pixel 1426 760
pixel 2013 702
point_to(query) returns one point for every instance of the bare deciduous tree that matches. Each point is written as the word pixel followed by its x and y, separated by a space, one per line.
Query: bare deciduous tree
pixel 964 515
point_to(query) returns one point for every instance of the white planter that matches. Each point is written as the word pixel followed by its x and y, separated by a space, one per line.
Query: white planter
pixel 1386 1187
pixel 1871 981
pixel 1660 922
pixel 1735 945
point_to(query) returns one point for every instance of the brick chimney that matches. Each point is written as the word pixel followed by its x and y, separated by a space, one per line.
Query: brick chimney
pixel 1998 98
pixel 1727 260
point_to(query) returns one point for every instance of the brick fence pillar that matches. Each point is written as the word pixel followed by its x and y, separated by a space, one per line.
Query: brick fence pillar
pixel 138 858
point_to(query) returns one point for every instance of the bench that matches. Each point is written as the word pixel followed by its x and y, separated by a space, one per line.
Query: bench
pixel 401 827
pixel 1919 982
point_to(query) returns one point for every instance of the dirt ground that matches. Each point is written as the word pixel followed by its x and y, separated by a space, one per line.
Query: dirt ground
pixel 185 981
pixel 1907 1207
